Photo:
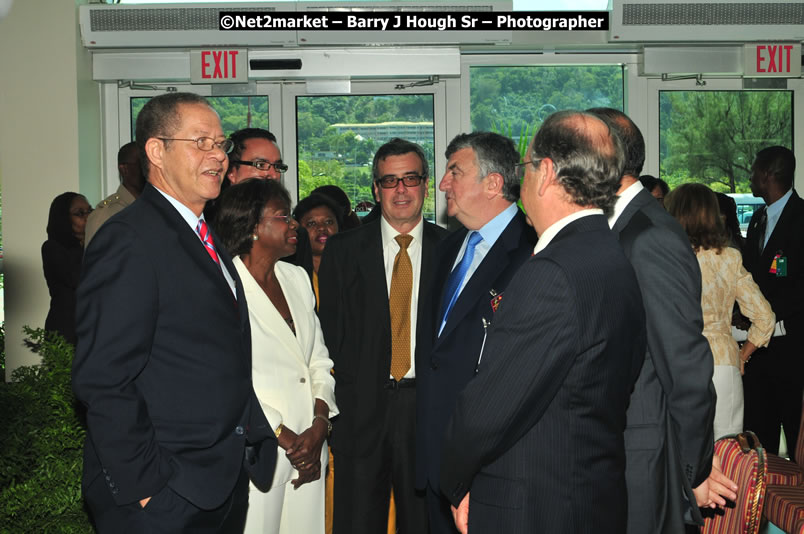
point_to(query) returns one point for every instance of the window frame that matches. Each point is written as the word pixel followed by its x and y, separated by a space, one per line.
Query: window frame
pixel 655 85
pixel 438 90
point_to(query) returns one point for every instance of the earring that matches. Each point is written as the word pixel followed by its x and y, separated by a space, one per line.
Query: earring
pixel 254 237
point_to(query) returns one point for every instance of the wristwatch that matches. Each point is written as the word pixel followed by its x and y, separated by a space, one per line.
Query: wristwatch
pixel 327 421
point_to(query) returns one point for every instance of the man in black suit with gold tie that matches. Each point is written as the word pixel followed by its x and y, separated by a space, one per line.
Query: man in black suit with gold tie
pixel 373 282
pixel 774 255
pixel 535 443
pixel 475 265
pixel 163 361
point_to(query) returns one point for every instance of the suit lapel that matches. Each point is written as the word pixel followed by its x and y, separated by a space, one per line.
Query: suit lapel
pixel 371 265
pixel 642 198
pixel 489 269
pixel 265 313
pixel 189 240
pixel 780 232
pixel 294 300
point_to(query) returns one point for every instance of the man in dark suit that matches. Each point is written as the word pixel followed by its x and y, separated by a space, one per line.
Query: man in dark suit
pixel 373 282
pixel 774 255
pixel 482 187
pixel 537 435
pixel 163 362
pixel 669 441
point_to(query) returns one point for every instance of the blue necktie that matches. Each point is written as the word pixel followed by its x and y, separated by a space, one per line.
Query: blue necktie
pixel 458 274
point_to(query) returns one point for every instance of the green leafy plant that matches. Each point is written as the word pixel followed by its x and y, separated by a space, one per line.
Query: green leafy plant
pixel 41 461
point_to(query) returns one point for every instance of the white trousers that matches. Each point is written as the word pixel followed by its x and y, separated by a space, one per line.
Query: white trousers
pixel 729 408
pixel 284 510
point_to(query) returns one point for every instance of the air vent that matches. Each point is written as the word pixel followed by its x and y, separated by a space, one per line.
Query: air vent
pixel 173 25
pixel 713 14
pixel 652 21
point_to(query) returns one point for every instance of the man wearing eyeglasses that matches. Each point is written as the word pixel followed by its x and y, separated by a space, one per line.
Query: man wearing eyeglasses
pixel 371 339
pixel 132 181
pixel 163 361
pixel 255 155
pixel 475 265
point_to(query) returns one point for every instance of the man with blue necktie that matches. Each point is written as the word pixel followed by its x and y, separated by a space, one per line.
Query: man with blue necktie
pixel 475 264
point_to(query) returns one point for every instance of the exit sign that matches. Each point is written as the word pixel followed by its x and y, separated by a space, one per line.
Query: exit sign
pixel 219 66
pixel 772 59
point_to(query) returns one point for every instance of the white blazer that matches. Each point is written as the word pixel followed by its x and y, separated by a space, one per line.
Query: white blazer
pixel 289 372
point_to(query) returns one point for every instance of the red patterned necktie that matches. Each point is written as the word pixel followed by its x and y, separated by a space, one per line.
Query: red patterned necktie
pixel 206 238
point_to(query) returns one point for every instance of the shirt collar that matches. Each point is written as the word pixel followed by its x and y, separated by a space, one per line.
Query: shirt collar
pixel 185 212
pixel 623 200
pixel 559 225
pixel 775 209
pixel 389 232
pixel 492 229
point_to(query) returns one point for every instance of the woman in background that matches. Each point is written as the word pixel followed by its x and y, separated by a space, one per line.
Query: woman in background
pixel 320 216
pixel 723 280
pixel 61 260
pixel 290 364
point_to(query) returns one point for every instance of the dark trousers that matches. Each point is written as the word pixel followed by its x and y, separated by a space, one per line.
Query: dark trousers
pixel 773 387
pixel 363 485
pixel 167 512
pixel 439 513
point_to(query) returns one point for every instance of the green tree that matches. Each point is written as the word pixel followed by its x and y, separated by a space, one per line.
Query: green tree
pixel 711 137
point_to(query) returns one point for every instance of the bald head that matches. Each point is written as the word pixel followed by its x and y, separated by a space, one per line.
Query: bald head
pixel 587 156
pixel 634 143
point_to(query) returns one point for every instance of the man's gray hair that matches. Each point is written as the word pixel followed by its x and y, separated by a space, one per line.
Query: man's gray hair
pixel 493 153
pixel 589 166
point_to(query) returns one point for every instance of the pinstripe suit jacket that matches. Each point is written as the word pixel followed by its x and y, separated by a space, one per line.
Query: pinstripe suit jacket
pixel 537 435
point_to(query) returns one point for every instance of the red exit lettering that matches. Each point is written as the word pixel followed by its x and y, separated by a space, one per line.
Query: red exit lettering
pixel 223 65
pixel 774 58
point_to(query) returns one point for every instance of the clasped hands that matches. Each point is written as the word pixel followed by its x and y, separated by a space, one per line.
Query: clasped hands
pixel 304 451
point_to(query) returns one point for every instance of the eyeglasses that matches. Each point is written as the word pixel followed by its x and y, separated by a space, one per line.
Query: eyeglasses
pixel 262 165
pixel 520 167
pixel 81 213
pixel 313 224
pixel 284 218
pixel 390 182
pixel 206 143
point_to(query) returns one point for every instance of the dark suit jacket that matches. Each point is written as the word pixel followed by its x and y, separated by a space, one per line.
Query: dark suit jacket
pixel 537 435
pixel 445 363
pixel 784 293
pixel 62 267
pixel 356 322
pixel 669 440
pixel 163 362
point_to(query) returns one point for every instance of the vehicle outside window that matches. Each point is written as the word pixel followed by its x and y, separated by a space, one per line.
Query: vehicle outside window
pixel 747 204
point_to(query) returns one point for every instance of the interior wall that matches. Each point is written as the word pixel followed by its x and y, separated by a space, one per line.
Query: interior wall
pixel 44 151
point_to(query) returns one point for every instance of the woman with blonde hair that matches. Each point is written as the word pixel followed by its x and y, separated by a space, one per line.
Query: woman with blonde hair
pixel 723 280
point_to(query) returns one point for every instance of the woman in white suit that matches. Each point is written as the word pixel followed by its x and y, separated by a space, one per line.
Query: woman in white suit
pixel 290 364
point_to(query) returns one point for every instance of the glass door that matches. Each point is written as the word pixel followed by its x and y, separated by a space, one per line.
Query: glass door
pixel 332 138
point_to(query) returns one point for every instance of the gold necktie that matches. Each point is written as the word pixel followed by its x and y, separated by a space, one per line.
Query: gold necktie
pixel 399 303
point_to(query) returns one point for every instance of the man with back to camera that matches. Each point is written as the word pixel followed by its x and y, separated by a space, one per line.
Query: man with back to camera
pixel 482 187
pixel 535 443
pixel 373 283
pixel 132 182
pixel 163 361
pixel 669 442
pixel 773 254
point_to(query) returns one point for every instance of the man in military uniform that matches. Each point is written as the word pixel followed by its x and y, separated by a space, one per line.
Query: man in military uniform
pixel 132 183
